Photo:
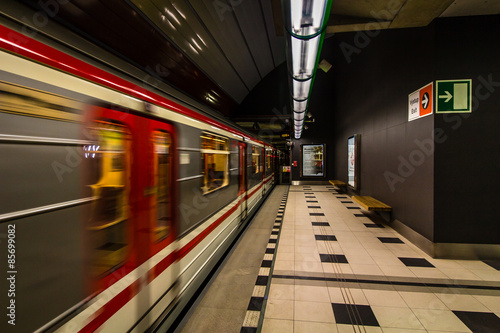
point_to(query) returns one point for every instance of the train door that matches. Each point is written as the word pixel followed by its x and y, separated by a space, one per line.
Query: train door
pixel 131 168
pixel 113 182
pixel 161 188
pixel 243 179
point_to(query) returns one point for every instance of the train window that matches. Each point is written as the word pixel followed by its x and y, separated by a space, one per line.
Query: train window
pixel 214 162
pixel 268 159
pixel 110 156
pixel 256 157
pixel 162 175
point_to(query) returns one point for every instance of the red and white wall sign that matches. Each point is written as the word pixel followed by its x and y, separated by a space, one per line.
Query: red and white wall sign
pixel 421 102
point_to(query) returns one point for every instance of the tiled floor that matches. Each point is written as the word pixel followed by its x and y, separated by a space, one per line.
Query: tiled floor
pixel 312 261
pixel 339 269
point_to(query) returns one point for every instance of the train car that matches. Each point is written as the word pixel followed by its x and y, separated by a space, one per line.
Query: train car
pixel 117 200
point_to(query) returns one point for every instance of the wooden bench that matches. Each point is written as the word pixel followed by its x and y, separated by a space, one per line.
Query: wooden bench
pixel 337 183
pixel 370 203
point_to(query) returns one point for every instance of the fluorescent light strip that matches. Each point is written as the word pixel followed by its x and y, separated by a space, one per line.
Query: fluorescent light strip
pixel 299 106
pixel 305 18
pixel 300 89
pixel 303 56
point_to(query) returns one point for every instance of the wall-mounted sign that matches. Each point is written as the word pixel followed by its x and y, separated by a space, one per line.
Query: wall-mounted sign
pixel 287 168
pixel 313 160
pixel 421 102
pixel 454 96
pixel 353 161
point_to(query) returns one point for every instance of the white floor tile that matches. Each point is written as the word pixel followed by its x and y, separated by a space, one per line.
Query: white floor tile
pixel 308 327
pixel 277 326
pixel 396 317
pixel 314 311
pixel 491 302
pixel 384 298
pixel 347 296
pixel 417 300
pixel 281 291
pixel 459 302
pixel 312 293
pixel 440 320
pixel 279 309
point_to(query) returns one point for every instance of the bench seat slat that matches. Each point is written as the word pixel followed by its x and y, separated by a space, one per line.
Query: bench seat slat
pixel 337 182
pixel 370 203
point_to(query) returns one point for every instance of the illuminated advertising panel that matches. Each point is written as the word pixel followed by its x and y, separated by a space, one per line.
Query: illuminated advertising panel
pixel 313 163
pixel 353 161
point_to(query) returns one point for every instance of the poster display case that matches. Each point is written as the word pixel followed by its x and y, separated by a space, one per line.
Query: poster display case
pixel 353 153
pixel 313 160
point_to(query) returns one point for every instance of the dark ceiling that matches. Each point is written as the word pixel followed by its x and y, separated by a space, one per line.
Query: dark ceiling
pixel 220 52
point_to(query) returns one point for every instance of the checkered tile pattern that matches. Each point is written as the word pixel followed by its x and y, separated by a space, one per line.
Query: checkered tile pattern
pixel 339 268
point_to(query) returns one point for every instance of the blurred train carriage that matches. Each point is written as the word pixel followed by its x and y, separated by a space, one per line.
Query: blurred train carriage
pixel 122 197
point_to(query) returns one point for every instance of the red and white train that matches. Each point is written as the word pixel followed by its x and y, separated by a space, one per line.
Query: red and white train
pixel 122 199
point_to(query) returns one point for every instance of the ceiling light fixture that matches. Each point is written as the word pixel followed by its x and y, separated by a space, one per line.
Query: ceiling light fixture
pixel 305 22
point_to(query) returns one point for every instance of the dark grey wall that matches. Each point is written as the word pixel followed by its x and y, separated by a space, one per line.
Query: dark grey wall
pixel 467 163
pixel 366 93
pixel 439 173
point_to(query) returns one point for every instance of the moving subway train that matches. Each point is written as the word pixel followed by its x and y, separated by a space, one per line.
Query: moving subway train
pixel 115 200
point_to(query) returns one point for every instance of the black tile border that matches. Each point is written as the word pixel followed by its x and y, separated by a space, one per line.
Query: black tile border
pixel 374 225
pixel 493 263
pixel 354 314
pixel 261 280
pixel 257 303
pixel 484 322
pixel 416 262
pixel 325 237
pixel 390 240
pixel 320 224
pixel 266 263
pixel 333 258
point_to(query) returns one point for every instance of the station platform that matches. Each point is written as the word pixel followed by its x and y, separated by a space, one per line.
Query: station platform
pixel 313 261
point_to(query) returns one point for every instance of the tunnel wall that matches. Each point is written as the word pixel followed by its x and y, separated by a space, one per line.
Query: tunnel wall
pixel 366 93
pixel 467 163
pixel 440 172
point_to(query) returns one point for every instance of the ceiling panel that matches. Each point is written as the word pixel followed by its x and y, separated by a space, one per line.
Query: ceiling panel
pixel 222 24
pixel 472 7
pixel 419 13
pixel 276 38
pixel 251 21
pixel 181 24
pixel 367 8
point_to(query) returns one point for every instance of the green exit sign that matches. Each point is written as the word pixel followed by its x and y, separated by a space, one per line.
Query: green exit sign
pixel 454 96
